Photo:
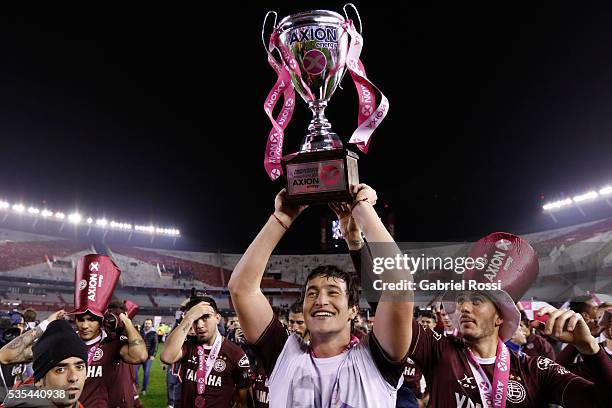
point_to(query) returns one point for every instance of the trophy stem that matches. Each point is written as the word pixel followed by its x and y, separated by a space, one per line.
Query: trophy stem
pixel 321 136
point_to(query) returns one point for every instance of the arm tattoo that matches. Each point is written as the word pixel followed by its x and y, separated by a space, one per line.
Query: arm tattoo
pixel 25 340
pixel 136 342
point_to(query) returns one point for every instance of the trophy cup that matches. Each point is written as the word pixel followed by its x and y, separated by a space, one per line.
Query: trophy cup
pixel 315 53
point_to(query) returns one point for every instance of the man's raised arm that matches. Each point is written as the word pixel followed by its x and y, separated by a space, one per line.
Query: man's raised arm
pixel 19 350
pixel 393 323
pixel 252 307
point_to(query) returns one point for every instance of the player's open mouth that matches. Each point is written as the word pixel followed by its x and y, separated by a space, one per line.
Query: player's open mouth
pixel 322 314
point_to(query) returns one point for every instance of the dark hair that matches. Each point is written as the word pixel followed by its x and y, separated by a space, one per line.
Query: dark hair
pixel 93 317
pixel 579 304
pixel 29 315
pixel 116 304
pixel 427 313
pixel 297 307
pixel 194 300
pixel 332 271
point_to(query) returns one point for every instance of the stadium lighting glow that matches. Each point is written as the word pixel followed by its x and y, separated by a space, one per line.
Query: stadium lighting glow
pixel 557 204
pixel 606 190
pixel 591 195
pixel 74 218
pixel 18 208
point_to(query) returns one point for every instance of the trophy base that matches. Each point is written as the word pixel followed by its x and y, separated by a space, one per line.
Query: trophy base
pixel 320 177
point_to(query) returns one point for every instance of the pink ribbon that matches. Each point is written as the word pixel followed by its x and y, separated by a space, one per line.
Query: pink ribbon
pixel 493 395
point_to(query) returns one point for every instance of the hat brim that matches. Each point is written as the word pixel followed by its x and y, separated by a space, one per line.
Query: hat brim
pixel 510 314
pixel 86 309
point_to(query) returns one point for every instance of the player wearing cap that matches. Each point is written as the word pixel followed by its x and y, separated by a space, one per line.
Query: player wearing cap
pixel 335 369
pixel 60 369
pixel 477 369
pixel 212 369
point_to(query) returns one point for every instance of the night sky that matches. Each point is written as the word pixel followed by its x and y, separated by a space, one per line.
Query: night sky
pixel 154 112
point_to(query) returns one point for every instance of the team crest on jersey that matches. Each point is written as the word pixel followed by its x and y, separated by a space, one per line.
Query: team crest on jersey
pixel 98 355
pixel 530 346
pixel 409 360
pixel 437 336
pixel 82 284
pixel 544 363
pixel 516 392
pixel 123 337
pixel 244 362
pixel 220 366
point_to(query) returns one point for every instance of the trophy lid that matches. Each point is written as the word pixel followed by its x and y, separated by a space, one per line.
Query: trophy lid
pixel 310 17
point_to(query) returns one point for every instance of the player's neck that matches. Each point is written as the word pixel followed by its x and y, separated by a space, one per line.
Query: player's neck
pixel 211 341
pixel 484 347
pixel 609 343
pixel 325 346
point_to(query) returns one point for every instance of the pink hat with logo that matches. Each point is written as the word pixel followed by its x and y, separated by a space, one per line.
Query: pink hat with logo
pixel 511 261
pixel 95 281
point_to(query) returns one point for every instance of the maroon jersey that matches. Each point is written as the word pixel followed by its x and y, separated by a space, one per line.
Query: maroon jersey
pixel 230 371
pixel 570 357
pixel 533 382
pixel 260 389
pixel 122 387
pixel 412 377
pixel 538 346
pixel 101 371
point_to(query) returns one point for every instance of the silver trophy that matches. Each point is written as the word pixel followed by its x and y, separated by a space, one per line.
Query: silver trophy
pixel 313 46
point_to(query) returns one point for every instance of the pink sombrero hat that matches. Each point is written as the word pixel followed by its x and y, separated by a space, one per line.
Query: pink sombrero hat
pixel 509 260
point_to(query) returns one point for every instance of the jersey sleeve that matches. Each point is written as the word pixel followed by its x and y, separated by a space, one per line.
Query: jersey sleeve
pixel 570 390
pixel 389 369
pixel 270 344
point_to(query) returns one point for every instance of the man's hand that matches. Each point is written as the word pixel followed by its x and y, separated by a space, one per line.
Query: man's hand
pixel 56 315
pixel 198 310
pixel 349 228
pixel 568 326
pixel 363 192
pixel 284 211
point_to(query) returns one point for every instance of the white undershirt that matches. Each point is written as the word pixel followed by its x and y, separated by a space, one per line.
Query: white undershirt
pixel 326 370
pixel 485 361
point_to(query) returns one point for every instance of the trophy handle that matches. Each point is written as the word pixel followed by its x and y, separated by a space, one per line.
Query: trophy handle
pixel 356 12
pixel 263 27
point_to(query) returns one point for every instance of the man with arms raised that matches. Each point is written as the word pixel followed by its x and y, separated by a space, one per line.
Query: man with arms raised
pixel 477 369
pixel 212 369
pixel 335 369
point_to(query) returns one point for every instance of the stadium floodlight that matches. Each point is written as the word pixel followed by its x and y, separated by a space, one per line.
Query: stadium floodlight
pixel 46 213
pixel 606 191
pixel 557 204
pixel 591 195
pixel 101 222
pixel 4 204
pixel 60 215
pixel 74 218
pixel 33 210
pixel 18 208
pixel 89 220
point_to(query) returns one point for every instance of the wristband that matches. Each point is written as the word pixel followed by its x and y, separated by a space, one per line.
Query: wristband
pixel 357 202
pixel 43 325
pixel 280 222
